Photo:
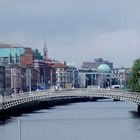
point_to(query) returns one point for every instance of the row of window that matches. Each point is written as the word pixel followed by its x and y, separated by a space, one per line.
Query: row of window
pixel 9 60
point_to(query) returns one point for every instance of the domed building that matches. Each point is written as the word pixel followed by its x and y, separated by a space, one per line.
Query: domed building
pixel 100 77
pixel 104 75
pixel 104 68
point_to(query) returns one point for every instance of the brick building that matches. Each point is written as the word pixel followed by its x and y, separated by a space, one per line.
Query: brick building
pixel 27 57
pixel 19 71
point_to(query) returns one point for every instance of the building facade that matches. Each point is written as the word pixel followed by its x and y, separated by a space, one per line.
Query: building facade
pixel 50 74
pixel 122 75
pixel 15 81
pixel 15 54
pixel 39 66
pixel 72 77
pixel 61 74
pixel 97 78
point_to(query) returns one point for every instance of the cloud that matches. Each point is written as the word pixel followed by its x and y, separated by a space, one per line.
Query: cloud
pixel 75 30
pixel 120 47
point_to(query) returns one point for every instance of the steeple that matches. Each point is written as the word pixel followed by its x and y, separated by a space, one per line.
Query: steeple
pixel 45 51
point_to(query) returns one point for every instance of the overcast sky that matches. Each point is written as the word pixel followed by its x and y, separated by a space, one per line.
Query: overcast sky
pixel 75 30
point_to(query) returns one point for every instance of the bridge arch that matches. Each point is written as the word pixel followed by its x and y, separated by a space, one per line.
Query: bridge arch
pixel 11 102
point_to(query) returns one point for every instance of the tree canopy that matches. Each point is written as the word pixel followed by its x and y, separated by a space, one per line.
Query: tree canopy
pixel 133 82
pixel 37 55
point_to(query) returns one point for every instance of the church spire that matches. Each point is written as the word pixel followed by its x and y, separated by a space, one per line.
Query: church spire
pixel 45 51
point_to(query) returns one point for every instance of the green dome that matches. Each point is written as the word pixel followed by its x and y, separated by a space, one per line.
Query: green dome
pixel 104 68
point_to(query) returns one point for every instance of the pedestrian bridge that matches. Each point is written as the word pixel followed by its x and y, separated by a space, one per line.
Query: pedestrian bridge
pixel 8 102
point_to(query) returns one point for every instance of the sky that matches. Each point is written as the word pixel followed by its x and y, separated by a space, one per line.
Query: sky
pixel 75 30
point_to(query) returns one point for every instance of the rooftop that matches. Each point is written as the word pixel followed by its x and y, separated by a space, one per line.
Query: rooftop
pixel 104 68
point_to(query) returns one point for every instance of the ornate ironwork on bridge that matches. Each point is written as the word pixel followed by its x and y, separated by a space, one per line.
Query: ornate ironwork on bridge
pixel 9 102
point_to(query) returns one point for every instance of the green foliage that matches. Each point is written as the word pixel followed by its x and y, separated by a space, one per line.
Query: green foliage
pixel 133 82
pixel 37 55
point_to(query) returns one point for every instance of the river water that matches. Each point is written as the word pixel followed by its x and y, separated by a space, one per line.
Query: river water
pixel 102 120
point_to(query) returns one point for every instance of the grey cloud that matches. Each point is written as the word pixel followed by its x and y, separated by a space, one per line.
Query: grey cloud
pixel 86 27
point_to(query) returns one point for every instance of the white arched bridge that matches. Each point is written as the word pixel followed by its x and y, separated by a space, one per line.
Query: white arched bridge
pixel 10 102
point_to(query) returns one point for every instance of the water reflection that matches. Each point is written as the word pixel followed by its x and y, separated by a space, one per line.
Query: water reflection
pixel 96 120
pixel 134 114
pixel 136 120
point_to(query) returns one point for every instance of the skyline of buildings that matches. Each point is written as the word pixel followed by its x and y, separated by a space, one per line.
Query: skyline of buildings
pixel 24 69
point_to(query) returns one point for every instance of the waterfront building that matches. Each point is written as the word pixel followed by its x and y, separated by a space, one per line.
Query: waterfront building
pixel 97 78
pixel 61 74
pixel 32 77
pixel 24 68
pixel 15 79
pixel 72 76
pixel 122 75
pixel 20 75
pixel 20 78
pixel 50 73
pixel 39 66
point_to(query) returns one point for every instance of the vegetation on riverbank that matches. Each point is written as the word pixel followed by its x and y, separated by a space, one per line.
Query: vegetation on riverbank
pixel 134 82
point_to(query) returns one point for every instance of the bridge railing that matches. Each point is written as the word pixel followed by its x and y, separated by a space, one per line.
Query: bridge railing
pixel 23 95
pixel 66 91
pixel 100 90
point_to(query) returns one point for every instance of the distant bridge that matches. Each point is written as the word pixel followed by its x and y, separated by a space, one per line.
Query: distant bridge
pixel 9 102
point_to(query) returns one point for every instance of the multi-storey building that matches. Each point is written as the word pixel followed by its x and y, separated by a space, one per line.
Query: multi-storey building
pixel 10 53
pixel 15 80
pixel 39 66
pixel 121 75
pixel 50 73
pixel 16 54
pixel 20 73
pixel 20 79
pixel 72 76
pixel 66 76
pixel 100 77
pixel 61 74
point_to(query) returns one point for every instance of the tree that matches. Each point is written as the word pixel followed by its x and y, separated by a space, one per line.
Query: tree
pixel 37 55
pixel 133 83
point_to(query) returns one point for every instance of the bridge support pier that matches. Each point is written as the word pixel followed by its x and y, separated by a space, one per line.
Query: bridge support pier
pixel 138 109
pixel 116 100
pixel 93 99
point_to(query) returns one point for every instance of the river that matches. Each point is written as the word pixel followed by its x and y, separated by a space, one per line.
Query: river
pixel 102 120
